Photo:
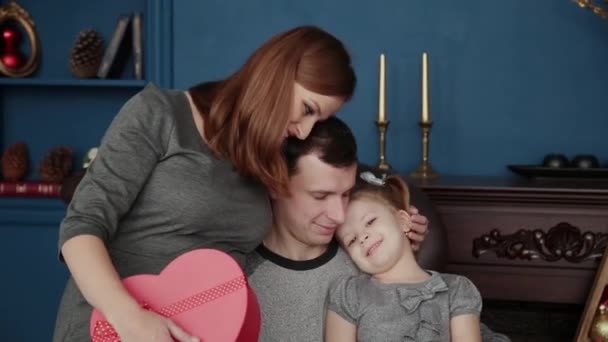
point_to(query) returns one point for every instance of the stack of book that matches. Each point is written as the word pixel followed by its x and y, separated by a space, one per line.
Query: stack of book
pixel 126 39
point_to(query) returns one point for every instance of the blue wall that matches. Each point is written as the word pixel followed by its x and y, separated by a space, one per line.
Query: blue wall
pixel 32 279
pixel 510 80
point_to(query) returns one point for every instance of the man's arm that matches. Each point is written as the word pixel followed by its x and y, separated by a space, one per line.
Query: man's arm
pixel 465 328
pixel 337 329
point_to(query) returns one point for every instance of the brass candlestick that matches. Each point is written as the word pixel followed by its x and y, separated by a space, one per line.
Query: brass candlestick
pixel 382 127
pixel 424 169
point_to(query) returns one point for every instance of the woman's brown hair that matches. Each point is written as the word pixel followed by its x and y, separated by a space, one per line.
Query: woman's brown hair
pixel 394 191
pixel 246 115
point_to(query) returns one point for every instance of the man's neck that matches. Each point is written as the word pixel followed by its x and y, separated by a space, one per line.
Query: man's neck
pixel 286 245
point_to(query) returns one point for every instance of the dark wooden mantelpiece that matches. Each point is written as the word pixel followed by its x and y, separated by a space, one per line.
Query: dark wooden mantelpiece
pixel 519 239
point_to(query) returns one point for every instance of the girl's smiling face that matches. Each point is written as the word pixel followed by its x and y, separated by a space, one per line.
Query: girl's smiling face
pixel 373 234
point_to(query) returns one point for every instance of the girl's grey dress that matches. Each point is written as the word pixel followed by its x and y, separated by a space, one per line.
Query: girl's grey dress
pixel 403 312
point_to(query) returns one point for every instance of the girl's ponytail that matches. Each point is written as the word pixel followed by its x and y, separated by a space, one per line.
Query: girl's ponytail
pixel 397 191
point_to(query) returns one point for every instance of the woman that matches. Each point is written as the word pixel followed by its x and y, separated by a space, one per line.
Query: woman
pixel 178 171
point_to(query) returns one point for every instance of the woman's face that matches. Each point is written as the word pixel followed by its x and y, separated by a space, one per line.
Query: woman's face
pixel 308 108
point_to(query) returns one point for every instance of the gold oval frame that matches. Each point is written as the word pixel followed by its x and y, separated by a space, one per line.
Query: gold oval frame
pixel 12 11
pixel 597 9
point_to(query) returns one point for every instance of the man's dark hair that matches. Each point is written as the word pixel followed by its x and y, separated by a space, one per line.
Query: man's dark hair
pixel 331 140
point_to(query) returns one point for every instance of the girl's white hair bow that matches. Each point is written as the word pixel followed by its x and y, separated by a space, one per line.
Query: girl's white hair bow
pixel 372 179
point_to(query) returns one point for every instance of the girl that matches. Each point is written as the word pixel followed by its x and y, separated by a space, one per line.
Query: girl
pixel 394 299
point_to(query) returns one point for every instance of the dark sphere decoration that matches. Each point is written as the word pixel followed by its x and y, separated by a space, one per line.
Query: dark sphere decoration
pixel 585 161
pixel 555 160
pixel 15 162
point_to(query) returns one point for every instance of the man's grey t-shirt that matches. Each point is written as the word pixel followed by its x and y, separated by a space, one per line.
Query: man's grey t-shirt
pixel 292 293
pixel 155 191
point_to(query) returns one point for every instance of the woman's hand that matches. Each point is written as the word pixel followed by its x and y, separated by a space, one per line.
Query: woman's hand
pixel 146 326
pixel 420 228
pixel 95 275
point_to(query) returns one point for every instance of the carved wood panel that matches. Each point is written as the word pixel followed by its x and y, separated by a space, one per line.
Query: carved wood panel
pixel 523 240
pixel 562 241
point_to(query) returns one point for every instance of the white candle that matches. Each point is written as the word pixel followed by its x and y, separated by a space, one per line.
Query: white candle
pixel 381 90
pixel 425 88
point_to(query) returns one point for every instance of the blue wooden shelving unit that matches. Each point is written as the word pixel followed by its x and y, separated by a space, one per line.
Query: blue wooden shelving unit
pixel 49 82
pixel 50 108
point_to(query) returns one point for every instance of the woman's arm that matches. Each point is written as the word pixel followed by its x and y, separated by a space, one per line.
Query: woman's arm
pixel 90 265
pixel 465 328
pixel 420 227
pixel 337 329
pixel 102 287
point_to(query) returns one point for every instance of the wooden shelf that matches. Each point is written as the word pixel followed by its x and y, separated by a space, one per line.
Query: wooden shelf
pixel 30 212
pixel 51 108
pixel 74 82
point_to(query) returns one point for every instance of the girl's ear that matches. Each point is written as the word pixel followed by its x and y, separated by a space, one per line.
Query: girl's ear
pixel 405 219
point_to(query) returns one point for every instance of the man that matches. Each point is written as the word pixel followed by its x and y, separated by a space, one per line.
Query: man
pixel 293 268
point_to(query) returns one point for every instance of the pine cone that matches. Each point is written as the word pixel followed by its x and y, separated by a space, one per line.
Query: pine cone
pixel 86 54
pixel 15 162
pixel 56 165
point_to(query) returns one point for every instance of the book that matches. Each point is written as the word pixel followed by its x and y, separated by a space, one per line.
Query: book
pixel 136 29
pixel 29 189
pixel 115 55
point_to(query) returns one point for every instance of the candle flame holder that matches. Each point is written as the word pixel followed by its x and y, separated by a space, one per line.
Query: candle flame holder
pixel 424 169
pixel 382 127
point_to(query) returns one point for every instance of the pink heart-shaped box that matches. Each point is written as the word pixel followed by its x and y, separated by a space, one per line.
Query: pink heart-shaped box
pixel 204 291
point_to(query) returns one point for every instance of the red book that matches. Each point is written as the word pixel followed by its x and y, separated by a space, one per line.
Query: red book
pixel 30 189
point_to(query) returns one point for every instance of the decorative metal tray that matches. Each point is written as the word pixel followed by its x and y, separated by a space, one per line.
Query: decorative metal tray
pixel 535 171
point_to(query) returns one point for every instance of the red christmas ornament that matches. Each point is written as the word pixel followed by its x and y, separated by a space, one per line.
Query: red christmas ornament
pixel 11 57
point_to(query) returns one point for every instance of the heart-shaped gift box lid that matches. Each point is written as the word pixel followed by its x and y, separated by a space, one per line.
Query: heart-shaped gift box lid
pixel 204 291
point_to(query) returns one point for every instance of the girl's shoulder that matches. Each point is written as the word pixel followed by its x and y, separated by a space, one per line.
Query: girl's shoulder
pixel 454 281
pixel 464 297
pixel 451 278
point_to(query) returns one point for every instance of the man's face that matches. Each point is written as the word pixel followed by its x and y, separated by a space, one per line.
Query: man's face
pixel 317 202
